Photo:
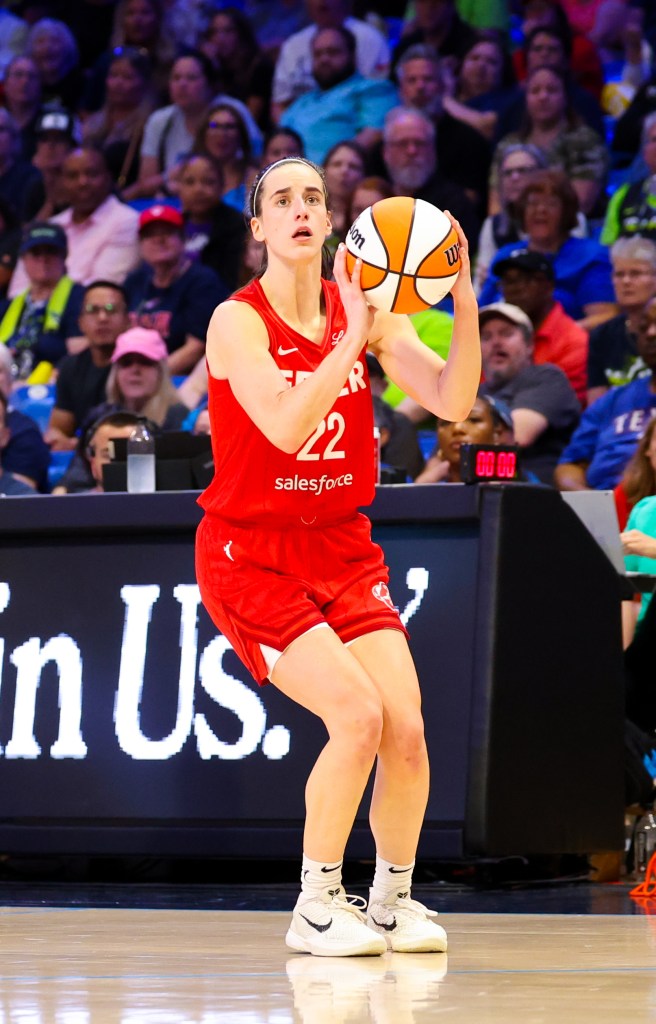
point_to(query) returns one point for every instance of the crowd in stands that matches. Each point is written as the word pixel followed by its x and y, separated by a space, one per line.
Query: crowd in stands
pixel 130 133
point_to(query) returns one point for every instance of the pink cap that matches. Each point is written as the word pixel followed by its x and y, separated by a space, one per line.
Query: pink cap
pixel 159 214
pixel 144 342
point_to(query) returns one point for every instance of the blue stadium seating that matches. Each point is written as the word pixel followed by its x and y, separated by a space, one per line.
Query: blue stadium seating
pixel 35 400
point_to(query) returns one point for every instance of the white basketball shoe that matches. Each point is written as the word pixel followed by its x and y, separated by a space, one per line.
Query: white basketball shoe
pixel 333 924
pixel 407 925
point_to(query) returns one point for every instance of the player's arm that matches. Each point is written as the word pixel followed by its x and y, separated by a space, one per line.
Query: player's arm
pixel 238 350
pixel 447 389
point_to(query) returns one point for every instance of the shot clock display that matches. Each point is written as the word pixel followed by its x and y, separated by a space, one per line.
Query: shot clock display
pixel 487 463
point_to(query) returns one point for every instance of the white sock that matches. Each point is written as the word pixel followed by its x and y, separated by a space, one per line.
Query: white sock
pixel 390 881
pixel 317 876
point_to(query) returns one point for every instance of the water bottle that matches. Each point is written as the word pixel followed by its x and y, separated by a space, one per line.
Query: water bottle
pixel 141 460
pixel 644 843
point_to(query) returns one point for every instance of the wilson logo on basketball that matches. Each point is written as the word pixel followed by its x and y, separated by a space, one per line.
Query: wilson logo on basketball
pixel 452 254
pixel 381 593
pixel 356 236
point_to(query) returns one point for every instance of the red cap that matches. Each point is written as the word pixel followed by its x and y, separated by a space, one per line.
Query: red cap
pixel 159 214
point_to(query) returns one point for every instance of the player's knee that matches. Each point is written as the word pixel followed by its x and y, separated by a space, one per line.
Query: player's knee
pixel 366 728
pixel 410 742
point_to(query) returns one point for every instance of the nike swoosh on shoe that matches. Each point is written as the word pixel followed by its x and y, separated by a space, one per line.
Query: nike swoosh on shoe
pixel 320 927
pixel 379 924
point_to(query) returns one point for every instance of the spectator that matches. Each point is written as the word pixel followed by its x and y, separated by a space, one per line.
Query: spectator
pixel 52 46
pixel 275 21
pixel 82 377
pixel 527 280
pixel 98 450
pixel 632 208
pixel 544 407
pixel 138 25
pixel 489 422
pixel 547 213
pixel 13 37
pixel 437 23
pixel 168 292
pixel 244 71
pixel 16 174
pixel 101 230
pixel 22 98
pixel 10 485
pixel 170 131
pixel 399 446
pixel 503 227
pixel 26 454
pixel 139 383
pixel 367 192
pixel 411 166
pixel 343 103
pixel 55 139
pixel 463 155
pixel 628 128
pixel 279 143
pixel 613 356
pixel 10 239
pixel 484 85
pixel 36 323
pixel 214 232
pixel 117 128
pixel 344 169
pixel 139 380
pixel 223 136
pixel 639 477
pixel 610 429
pixel 568 143
pixel 293 70
pixel 582 59
pixel 548 46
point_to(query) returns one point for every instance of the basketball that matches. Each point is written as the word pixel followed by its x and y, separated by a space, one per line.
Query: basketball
pixel 409 251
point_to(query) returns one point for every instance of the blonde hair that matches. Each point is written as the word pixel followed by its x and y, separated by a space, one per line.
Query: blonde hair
pixel 157 407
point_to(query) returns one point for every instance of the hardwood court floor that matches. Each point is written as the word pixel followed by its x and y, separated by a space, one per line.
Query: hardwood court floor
pixel 136 966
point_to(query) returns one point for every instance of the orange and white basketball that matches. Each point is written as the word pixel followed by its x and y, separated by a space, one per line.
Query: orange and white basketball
pixel 409 251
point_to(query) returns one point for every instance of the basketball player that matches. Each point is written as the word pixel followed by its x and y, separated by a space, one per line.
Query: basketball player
pixel 286 565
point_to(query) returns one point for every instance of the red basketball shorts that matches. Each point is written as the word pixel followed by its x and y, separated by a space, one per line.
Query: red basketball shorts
pixel 264 587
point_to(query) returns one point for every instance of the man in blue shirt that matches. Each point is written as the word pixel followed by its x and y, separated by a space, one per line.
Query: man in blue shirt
pixel 611 427
pixel 345 104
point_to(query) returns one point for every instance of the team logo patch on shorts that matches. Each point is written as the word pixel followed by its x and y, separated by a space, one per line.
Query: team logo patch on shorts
pixel 381 593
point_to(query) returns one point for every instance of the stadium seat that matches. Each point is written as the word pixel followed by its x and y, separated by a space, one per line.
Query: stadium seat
pixel 427 442
pixel 35 400
pixel 59 463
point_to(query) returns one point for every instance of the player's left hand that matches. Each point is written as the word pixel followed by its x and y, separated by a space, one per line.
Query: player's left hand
pixel 359 314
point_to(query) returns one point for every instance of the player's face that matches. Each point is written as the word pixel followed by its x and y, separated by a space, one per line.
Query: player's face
pixel 293 221
pixel 478 428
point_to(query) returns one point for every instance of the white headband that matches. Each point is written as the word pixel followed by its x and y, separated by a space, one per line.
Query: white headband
pixel 271 167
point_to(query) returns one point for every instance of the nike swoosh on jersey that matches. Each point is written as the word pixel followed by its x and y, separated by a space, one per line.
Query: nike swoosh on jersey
pixel 380 924
pixel 286 351
pixel 321 927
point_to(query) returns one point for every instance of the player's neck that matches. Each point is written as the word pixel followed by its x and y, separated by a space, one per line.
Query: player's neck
pixel 294 291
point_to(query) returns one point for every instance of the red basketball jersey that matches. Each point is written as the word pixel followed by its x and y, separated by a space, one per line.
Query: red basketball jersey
pixel 332 473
